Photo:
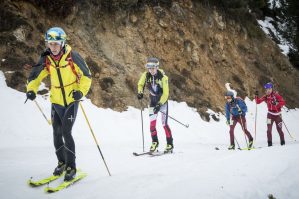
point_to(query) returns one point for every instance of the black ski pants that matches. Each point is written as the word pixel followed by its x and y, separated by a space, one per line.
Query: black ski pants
pixel 63 119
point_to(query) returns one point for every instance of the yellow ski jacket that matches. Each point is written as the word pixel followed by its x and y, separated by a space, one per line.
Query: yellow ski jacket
pixel 68 74
pixel 160 79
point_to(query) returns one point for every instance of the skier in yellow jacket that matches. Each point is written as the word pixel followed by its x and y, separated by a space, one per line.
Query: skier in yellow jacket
pixel 70 81
pixel 157 83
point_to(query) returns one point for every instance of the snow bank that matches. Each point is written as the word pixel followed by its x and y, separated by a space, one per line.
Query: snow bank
pixel 194 170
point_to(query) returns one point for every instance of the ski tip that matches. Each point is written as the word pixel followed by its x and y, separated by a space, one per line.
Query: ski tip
pixel 29 182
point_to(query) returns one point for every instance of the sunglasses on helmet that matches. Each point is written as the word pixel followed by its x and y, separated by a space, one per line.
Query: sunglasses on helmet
pixel 53 36
pixel 151 65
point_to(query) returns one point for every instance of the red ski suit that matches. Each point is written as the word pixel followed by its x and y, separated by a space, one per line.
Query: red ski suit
pixel 274 103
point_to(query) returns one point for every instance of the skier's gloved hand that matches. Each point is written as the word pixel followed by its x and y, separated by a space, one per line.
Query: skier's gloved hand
pixel 31 95
pixel 77 95
pixel 140 96
pixel 157 108
pixel 240 111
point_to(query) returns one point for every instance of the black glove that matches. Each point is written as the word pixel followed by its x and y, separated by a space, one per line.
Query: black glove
pixel 77 95
pixel 140 96
pixel 256 93
pixel 31 95
pixel 157 108
pixel 239 111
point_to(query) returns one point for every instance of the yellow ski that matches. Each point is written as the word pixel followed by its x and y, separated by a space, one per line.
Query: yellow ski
pixel 43 181
pixel 65 184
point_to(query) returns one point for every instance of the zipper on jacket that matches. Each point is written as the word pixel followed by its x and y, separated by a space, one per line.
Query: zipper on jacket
pixel 60 80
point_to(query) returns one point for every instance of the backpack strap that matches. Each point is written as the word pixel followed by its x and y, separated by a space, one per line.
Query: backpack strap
pixel 71 63
pixel 47 63
pixel 236 104
pixel 148 76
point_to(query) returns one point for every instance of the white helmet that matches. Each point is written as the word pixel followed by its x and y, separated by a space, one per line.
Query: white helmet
pixel 56 34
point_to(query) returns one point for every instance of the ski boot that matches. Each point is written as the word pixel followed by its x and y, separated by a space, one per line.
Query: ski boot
pixel 231 147
pixel 250 145
pixel 169 148
pixel 269 144
pixel 282 142
pixel 59 169
pixel 70 174
pixel 154 146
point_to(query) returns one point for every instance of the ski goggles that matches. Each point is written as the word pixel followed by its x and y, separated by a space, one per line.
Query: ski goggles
pixel 151 65
pixel 54 37
pixel 268 85
pixel 228 97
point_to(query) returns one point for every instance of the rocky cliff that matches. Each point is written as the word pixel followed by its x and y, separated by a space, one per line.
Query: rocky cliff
pixel 200 47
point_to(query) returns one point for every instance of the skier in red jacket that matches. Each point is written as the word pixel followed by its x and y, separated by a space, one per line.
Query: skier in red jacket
pixel 274 103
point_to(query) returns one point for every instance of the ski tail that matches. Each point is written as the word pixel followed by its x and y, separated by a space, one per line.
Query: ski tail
pixel 144 153
pixel 156 153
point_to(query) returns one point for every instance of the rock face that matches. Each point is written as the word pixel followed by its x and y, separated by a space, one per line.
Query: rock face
pixel 200 49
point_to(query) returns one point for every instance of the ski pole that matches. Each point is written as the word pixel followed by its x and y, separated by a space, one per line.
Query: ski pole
pixel 142 125
pixel 288 130
pixel 255 122
pixel 285 125
pixel 255 119
pixel 95 139
pixel 237 143
pixel 186 125
pixel 49 121
pixel 242 125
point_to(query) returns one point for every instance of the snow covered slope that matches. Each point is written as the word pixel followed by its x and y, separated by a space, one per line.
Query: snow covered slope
pixel 194 170
pixel 276 28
